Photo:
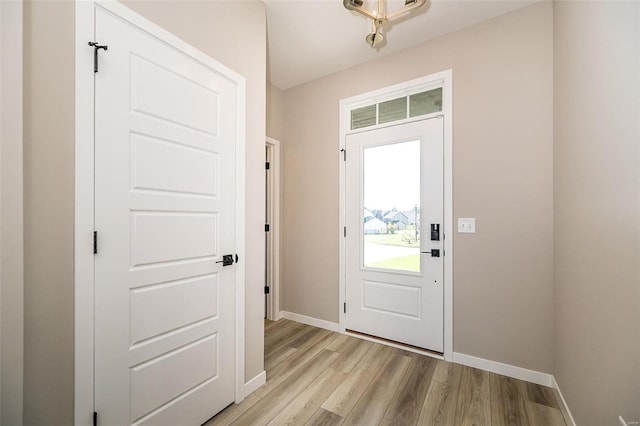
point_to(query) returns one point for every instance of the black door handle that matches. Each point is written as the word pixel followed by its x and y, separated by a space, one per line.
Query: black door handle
pixel 432 252
pixel 227 260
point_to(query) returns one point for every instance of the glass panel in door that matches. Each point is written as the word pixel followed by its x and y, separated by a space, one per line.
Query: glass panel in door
pixel 391 177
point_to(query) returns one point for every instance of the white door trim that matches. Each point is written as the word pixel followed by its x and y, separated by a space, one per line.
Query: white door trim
pixel 84 196
pixel 442 79
pixel 274 298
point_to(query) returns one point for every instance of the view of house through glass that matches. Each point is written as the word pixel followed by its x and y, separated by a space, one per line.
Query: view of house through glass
pixel 415 105
pixel 392 206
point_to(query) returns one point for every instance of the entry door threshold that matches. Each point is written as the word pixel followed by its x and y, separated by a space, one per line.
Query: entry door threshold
pixel 394 344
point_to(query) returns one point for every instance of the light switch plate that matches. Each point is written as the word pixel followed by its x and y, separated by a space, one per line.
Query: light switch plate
pixel 467 225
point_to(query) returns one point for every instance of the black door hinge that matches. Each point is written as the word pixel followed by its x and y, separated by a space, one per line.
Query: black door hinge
pixel 267 165
pixel 96 47
pixel 344 307
pixel 95 242
pixel 267 228
pixel 344 231
pixel 266 289
pixel 95 418
pixel 344 154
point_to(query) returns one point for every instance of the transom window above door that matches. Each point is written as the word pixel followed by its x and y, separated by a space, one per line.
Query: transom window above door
pixel 400 108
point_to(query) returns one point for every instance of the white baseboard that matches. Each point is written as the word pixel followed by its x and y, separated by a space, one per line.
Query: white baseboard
pixel 255 383
pixel 564 408
pixel 327 325
pixel 532 376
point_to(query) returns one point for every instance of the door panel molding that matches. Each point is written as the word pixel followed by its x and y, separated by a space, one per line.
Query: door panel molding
pixel 84 195
pixel 442 79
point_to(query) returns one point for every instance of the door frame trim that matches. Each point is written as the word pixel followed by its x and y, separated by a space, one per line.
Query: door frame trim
pixel 442 79
pixel 274 295
pixel 84 196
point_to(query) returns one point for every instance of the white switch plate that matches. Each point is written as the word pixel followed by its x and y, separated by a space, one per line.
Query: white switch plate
pixel 467 225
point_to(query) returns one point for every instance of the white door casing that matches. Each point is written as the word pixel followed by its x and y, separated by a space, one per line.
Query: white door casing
pixel 268 240
pixel 443 79
pixel 396 304
pixel 169 202
pixel 273 219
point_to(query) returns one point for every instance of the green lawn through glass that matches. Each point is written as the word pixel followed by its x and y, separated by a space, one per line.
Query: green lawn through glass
pixel 407 263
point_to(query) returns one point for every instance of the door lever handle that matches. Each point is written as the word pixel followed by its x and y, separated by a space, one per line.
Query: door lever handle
pixel 432 252
pixel 227 260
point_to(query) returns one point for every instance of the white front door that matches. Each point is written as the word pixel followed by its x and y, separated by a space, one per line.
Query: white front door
pixel 165 216
pixel 394 241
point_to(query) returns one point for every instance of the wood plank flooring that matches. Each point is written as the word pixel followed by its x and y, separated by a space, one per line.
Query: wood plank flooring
pixel 317 377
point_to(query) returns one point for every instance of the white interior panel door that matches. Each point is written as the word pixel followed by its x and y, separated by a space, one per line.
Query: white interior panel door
pixel 165 216
pixel 394 263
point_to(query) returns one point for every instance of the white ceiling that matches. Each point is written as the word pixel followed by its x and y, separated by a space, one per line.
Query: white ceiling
pixel 309 39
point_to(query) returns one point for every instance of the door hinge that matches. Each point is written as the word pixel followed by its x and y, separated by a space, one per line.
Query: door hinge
pixel 95 242
pixel 267 165
pixel 95 418
pixel 344 307
pixel 267 227
pixel 344 154
pixel 266 289
pixel 344 231
pixel 96 47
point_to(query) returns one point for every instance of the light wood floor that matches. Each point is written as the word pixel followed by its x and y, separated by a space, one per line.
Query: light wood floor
pixel 318 377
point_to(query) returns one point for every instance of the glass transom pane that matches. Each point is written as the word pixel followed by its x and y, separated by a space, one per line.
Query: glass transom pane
pixel 363 117
pixel 425 102
pixel 392 110
pixel 391 206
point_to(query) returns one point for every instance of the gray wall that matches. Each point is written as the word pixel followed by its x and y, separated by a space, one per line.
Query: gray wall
pixel 275 106
pixel 48 212
pixel 596 193
pixel 49 179
pixel 11 214
pixel 503 161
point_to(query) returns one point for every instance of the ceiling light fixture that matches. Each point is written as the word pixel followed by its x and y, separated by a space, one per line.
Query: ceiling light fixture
pixel 381 17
